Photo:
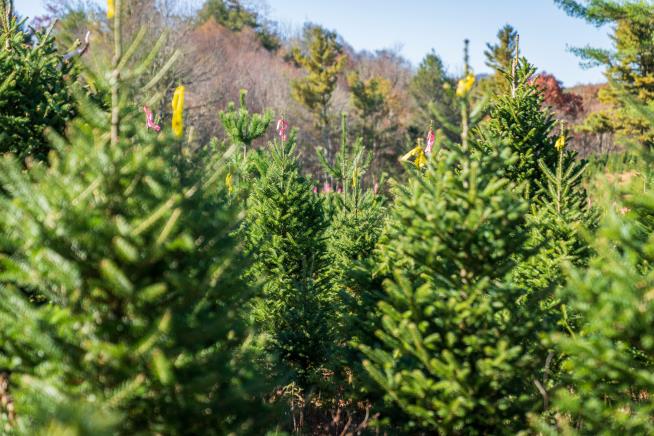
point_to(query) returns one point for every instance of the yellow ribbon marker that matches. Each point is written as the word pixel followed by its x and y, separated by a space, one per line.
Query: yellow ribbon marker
pixel 111 9
pixel 465 85
pixel 178 111
pixel 419 154
pixel 229 182
pixel 560 143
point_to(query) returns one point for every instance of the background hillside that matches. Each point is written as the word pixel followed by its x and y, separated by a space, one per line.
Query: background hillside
pixel 227 46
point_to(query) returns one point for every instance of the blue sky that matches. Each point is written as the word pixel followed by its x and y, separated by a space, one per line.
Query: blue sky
pixel 417 26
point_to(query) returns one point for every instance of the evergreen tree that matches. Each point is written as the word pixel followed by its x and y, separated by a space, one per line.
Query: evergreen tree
pixel 35 89
pixel 517 118
pixel 499 56
pixel 559 205
pixel 234 15
pixel 372 100
pixel 284 232
pixel 120 282
pixel 432 87
pixel 242 127
pixel 357 219
pixel 323 61
pixel 473 106
pixel 609 354
pixel 605 383
pixel 452 347
pixel 629 65
pixel 558 217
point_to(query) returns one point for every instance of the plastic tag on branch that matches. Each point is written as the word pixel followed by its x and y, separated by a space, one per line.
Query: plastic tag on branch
pixel 178 111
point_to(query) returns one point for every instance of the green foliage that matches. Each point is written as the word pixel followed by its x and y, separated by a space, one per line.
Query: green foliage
pixel 433 91
pixel 122 291
pixel 499 56
pixel 564 199
pixel 134 282
pixel 235 16
pixel 35 89
pixel 452 347
pixel 608 357
pixel 240 126
pixel 50 416
pixel 355 223
pixel 372 101
pixel 474 304
pixel 629 65
pixel 323 61
pixel 284 231
pixel 558 221
pixel 517 118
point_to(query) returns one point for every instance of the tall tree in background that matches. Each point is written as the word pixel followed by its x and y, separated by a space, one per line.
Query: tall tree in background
pixel 499 56
pixel 372 101
pixel 432 87
pixel 629 64
pixel 323 60
pixel 234 15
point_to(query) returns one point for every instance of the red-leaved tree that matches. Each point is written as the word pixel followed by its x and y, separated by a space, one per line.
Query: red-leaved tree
pixel 565 104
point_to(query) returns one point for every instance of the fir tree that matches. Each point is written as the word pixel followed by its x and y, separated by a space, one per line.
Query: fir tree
pixel 606 383
pixel 517 118
pixel 284 231
pixel 357 219
pixel 120 282
pixel 242 127
pixel 35 89
pixel 558 220
pixel 452 347
pixel 561 213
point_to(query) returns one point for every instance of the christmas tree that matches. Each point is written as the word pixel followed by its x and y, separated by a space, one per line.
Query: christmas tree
pixel 35 90
pixel 120 281
pixel 357 218
pixel 559 216
pixel 608 352
pixel 451 351
pixel 284 232
pixel 517 118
